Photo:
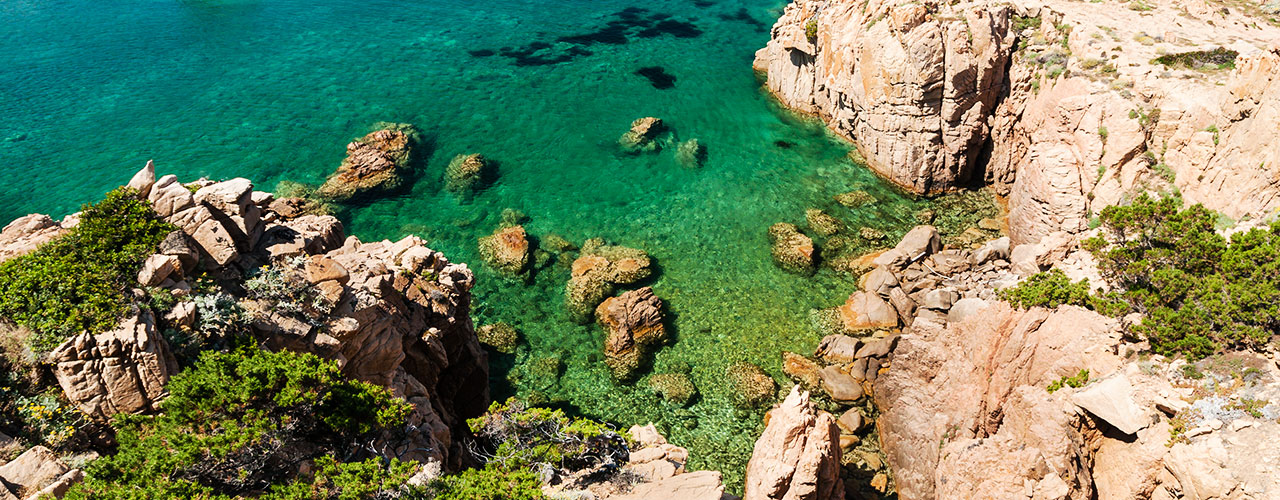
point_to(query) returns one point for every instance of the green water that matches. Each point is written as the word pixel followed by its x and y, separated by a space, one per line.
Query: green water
pixel 274 90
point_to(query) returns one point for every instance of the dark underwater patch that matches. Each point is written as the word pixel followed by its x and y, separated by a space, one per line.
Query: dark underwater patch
pixel 624 25
pixel 783 144
pixel 658 77
pixel 745 17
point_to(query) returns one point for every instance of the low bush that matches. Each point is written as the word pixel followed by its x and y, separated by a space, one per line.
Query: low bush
pixel 513 437
pixel 245 421
pixel 76 282
pixel 1218 58
pixel 1075 381
pixel 1047 289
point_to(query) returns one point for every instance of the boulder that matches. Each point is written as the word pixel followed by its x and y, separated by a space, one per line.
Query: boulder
pixel 996 249
pixel 918 243
pixel 851 421
pixel 1111 400
pixel 939 299
pixel 864 311
pixel 966 308
pixel 466 173
pixel 792 250
pixel 677 388
pixel 878 281
pixel 802 369
pixel 501 336
pixel 642 134
pixel 595 272
pixel 26 233
pixel 318 269
pixel 840 385
pixel 854 199
pixel 506 251
pixel 633 326
pixel 157 268
pixel 178 245
pixel 120 371
pixel 143 180
pixel 373 162
pixel 168 196
pixel 797 456
pixel 31 471
pixel 837 349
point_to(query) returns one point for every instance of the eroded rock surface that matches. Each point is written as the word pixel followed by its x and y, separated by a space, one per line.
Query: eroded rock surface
pixel 797 456
pixel 373 162
pixel 120 371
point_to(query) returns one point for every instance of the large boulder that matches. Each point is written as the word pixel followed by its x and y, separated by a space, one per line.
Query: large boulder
pixel 34 473
pixel 798 454
pixel 865 311
pixel 120 371
pixel 633 327
pixel 374 162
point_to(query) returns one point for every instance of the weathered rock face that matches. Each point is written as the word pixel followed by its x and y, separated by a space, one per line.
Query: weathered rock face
pixel 792 250
pixel 373 162
pixel 642 135
pixel 633 327
pixel 465 173
pixel 912 84
pixel 1066 115
pixel 797 456
pixel 978 388
pixel 120 371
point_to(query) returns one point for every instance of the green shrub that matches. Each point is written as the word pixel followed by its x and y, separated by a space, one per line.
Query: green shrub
pixel 514 437
pixel 1076 381
pixel 811 29
pixel 76 282
pixel 1218 58
pixel 488 484
pixel 242 421
pixel 1047 289
pixel 1198 292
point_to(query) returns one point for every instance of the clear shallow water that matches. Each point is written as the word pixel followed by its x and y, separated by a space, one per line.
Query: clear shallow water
pixel 274 90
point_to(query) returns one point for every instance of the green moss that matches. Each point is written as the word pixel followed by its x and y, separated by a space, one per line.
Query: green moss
pixel 76 282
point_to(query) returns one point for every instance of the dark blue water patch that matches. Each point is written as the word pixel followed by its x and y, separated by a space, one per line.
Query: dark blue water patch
pixel 678 29
pixel 658 77
pixel 745 17
pixel 702 3
pixel 481 52
pixel 784 144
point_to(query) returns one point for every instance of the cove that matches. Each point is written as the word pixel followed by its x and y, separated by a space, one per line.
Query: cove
pixel 272 91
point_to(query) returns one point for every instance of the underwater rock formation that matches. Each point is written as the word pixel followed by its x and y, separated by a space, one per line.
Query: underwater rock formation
pixel 641 137
pixel 597 270
pixel 633 328
pixel 823 223
pixel 507 251
pixel 501 336
pixel 691 153
pixel 466 173
pixel 677 388
pixel 792 250
pixel 374 162
pixel 749 385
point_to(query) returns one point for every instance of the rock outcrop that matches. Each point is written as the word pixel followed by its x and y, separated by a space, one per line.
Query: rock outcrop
pixel 374 162
pixel 792 250
pixel 37 473
pixel 642 136
pixel 466 172
pixel 507 251
pixel 797 456
pixel 1065 107
pixel 633 327
pixel 26 233
pixel 596 272
pixel 120 371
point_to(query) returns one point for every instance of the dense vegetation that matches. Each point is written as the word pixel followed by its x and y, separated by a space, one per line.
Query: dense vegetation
pixel 244 422
pixel 76 282
pixel 1198 292
pixel 1218 58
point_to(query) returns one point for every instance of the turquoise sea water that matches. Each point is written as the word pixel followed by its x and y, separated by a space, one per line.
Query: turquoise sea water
pixel 273 90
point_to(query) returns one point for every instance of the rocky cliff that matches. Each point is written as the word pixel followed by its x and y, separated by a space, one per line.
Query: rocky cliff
pixel 1067 107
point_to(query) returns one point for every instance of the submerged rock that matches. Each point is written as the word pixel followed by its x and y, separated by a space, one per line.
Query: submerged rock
pixel 506 251
pixel 855 199
pixel 633 326
pixel 598 268
pixel 641 137
pixel 823 223
pixel 374 162
pixel 792 250
pixel 674 387
pixel 751 387
pixel 466 172
pixel 501 336
pixel 691 153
